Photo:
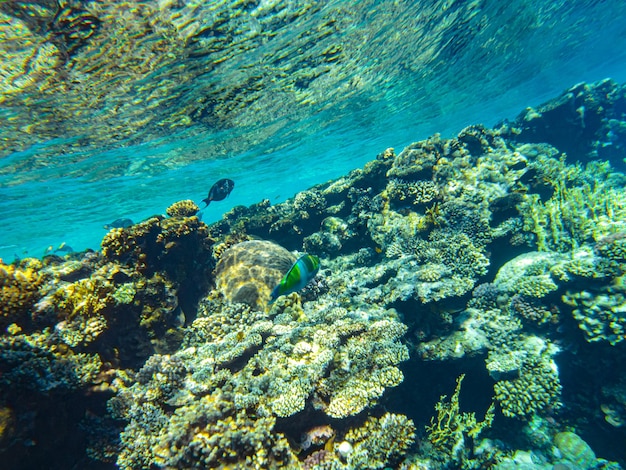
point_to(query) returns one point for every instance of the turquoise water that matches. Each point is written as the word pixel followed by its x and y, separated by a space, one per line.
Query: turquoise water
pixel 404 70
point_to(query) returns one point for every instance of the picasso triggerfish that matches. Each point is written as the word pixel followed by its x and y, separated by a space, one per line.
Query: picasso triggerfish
pixel 219 191
pixel 298 276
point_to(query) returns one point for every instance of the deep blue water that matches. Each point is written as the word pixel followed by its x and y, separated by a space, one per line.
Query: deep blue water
pixel 406 70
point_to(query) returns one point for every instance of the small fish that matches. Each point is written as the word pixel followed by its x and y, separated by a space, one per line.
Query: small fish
pixel 119 223
pixel 219 191
pixel 299 275
pixel 62 248
pixel 65 248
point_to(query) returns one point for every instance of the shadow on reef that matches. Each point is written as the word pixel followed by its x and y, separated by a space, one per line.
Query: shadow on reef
pixel 468 313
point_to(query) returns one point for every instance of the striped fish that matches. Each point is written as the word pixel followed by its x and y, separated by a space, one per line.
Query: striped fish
pixel 299 275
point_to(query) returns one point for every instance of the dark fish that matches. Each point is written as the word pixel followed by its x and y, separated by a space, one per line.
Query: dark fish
pixel 219 191
pixel 119 223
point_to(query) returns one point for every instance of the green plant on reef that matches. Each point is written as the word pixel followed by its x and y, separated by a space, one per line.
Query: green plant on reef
pixel 451 429
pixel 586 205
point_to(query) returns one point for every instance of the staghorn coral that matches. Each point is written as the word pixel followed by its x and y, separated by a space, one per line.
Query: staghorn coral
pixel 586 205
pixel 451 431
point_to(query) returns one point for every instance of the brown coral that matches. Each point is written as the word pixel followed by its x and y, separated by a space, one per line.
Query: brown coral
pixel 186 208
pixel 248 271
pixel 19 286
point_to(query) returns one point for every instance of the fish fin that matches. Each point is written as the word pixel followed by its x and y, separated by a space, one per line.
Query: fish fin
pixel 207 201
pixel 274 294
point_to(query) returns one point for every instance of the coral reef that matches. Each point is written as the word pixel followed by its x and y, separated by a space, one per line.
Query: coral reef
pixel 490 253
pixel 261 366
pixel 379 442
pixel 536 389
pixel 600 311
pixel 573 449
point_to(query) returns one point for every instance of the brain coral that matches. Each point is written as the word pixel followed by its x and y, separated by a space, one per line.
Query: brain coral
pixel 248 271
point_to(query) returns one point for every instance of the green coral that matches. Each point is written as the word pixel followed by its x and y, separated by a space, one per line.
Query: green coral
pixel 536 389
pixel 575 450
pixel 586 204
pixel 600 310
pixel 451 430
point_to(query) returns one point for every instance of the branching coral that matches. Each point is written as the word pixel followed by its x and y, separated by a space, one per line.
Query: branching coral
pixel 586 204
pixel 451 430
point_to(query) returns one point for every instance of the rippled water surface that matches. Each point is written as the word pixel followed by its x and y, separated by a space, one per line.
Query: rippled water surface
pixel 118 109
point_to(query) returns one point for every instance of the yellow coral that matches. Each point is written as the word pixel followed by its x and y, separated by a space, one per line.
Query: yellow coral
pixel 186 208
pixel 449 429
pixel 537 388
pixel 19 290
